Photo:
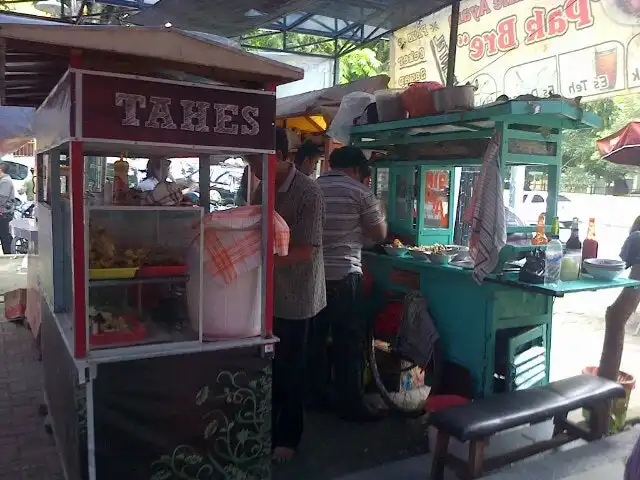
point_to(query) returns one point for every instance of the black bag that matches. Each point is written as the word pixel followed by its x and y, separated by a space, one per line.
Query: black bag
pixel 533 269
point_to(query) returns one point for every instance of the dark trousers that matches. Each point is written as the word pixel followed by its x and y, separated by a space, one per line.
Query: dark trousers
pixel 5 233
pixel 289 366
pixel 343 316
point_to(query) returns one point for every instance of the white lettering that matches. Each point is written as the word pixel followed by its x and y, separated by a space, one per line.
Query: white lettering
pixel 223 117
pixel 160 116
pixel 194 116
pixel 130 102
pixel 249 115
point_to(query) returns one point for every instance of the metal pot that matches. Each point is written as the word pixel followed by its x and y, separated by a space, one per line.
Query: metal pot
pixel 449 99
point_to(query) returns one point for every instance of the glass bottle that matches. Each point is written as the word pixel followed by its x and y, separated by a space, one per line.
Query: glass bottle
pixel 555 229
pixel 574 242
pixel 590 245
pixel 540 237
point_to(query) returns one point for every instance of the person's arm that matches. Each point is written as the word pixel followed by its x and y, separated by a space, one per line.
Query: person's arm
pixel 6 194
pixel 307 233
pixel 372 220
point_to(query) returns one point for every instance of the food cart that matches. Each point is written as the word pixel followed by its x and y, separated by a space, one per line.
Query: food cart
pixel 500 331
pixel 309 114
pixel 133 390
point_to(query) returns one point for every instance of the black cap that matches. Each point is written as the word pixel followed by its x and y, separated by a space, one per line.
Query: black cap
pixel 347 157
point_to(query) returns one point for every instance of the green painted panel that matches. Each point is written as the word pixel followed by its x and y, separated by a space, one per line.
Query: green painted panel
pixel 514 303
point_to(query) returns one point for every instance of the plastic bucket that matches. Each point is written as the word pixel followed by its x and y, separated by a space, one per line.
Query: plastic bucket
pixel 620 405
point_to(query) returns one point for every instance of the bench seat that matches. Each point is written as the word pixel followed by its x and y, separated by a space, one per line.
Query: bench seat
pixel 476 422
pixel 501 412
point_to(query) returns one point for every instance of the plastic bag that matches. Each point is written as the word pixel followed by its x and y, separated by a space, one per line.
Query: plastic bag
pixel 351 106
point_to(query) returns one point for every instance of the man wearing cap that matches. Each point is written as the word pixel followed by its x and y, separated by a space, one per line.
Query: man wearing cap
pixel 352 214
pixel 299 292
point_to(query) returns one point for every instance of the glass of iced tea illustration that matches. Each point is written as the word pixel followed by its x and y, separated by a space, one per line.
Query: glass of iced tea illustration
pixel 606 64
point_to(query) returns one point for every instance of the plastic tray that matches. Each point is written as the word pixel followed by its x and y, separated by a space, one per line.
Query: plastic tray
pixel 136 333
pixel 163 271
pixel 112 273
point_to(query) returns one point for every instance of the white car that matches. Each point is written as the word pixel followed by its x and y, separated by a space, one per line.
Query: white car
pixel 535 203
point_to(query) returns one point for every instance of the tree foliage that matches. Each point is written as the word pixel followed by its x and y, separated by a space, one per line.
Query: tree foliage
pixel 359 63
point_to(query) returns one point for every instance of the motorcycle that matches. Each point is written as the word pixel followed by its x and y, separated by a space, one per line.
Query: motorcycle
pixel 23 210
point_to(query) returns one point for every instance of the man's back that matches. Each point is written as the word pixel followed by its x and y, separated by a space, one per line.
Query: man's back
pixel 350 207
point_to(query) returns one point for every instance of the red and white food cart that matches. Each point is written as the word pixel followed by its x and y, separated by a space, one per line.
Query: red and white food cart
pixel 133 389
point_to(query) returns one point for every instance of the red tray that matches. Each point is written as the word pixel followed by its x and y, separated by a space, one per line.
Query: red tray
pixel 163 271
pixel 136 333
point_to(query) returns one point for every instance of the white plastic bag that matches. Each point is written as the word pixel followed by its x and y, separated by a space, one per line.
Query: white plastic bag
pixel 351 106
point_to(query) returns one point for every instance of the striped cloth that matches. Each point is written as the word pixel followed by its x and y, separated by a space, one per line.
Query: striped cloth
pixel 233 242
pixel 486 214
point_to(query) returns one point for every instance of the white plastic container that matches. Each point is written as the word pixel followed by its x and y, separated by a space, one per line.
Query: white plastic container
pixel 231 311
pixel 389 105
pixel 552 262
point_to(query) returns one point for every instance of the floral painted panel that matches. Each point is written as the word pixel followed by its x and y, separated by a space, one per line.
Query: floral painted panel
pixel 203 416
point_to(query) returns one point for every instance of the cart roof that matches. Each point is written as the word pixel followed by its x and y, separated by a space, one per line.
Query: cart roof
pixel 36 56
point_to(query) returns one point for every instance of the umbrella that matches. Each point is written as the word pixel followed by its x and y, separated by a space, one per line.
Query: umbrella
pixel 622 147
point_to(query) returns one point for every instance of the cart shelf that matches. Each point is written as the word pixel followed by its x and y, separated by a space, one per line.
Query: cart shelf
pixel 138 281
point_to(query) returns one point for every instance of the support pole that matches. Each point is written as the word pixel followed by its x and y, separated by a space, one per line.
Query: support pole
pixel 453 44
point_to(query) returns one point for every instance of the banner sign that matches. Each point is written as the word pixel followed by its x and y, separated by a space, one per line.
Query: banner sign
pixel 587 48
pixel 140 110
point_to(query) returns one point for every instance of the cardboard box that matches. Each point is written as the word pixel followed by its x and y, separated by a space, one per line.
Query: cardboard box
pixel 15 304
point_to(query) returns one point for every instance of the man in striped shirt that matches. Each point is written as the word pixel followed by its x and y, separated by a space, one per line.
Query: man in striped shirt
pixel 352 213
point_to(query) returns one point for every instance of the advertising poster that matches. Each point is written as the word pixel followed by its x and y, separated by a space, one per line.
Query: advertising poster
pixel 587 48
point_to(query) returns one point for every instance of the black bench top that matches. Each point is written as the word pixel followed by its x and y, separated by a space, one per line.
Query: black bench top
pixel 484 417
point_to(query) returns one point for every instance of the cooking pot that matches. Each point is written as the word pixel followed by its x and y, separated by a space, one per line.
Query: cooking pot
pixel 449 99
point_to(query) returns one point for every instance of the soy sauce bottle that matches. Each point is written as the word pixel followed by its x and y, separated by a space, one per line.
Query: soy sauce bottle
pixel 574 242
pixel 590 245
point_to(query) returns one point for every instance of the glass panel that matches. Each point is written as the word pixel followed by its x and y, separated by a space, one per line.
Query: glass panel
pixel 436 199
pixel 404 196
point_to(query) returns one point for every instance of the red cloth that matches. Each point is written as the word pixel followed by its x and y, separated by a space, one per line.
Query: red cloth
pixel 439 402
pixel 388 321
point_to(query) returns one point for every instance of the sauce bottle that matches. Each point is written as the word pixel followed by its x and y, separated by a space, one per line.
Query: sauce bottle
pixel 590 245
pixel 574 242
pixel 555 229
pixel 540 237
pixel 120 178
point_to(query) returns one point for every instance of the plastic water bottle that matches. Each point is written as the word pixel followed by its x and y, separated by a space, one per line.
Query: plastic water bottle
pixel 553 261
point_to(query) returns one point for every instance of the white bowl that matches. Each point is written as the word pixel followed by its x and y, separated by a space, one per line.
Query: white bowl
pixel 599 272
pixel 419 255
pixel 605 264
pixel 440 259
pixel 395 251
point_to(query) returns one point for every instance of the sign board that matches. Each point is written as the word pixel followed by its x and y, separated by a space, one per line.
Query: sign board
pixel 130 109
pixel 588 48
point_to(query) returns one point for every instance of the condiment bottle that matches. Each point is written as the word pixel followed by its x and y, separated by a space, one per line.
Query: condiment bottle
pixel 590 245
pixel 574 242
pixel 120 178
pixel 540 237
pixel 555 229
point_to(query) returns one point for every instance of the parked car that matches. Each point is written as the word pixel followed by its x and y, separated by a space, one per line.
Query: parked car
pixel 535 203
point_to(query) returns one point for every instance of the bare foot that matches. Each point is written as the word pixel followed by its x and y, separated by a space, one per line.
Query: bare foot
pixel 283 454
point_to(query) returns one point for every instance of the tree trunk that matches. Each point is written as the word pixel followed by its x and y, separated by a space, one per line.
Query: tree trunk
pixel 616 317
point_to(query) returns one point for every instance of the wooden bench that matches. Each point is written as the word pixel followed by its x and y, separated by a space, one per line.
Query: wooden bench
pixel 476 422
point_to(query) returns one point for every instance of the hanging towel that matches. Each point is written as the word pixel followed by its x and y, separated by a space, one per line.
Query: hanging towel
pixel 486 214
pixel 233 241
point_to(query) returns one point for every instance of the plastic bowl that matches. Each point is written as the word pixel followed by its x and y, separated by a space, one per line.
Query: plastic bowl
pixel 602 273
pixel 419 255
pixel 395 251
pixel 440 259
pixel 605 264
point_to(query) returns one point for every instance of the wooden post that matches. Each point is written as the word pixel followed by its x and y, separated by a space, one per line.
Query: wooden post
pixel 440 456
pixel 616 317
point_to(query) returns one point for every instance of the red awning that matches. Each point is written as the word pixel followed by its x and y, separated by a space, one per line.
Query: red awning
pixel 622 147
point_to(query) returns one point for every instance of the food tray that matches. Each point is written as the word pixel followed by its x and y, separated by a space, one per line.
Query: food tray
pixel 136 333
pixel 163 271
pixel 112 273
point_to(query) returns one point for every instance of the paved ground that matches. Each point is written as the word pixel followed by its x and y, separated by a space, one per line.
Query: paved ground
pixel 27 452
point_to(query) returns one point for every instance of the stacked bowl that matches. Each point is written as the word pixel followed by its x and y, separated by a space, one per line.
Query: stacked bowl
pixel 603 269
